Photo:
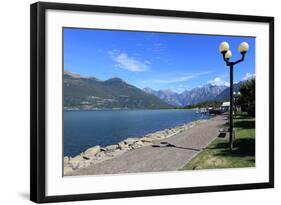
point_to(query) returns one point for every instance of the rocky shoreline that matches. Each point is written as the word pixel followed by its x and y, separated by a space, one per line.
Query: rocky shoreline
pixel 97 154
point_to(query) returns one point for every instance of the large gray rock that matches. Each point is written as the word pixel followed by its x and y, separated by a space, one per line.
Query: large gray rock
pixel 123 146
pixel 137 144
pixel 84 163
pixel 111 148
pixel 146 140
pixel 130 141
pixel 157 136
pixel 102 149
pixel 76 161
pixel 65 160
pixel 91 152
pixel 115 153
pixel 170 131
pixel 67 170
pixel 101 156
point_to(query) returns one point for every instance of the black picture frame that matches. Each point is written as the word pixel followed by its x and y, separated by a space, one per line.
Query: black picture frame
pixel 38 101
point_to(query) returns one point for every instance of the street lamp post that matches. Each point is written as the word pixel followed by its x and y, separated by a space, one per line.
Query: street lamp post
pixel 236 95
pixel 226 53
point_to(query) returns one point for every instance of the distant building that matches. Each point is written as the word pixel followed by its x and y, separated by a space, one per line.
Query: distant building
pixel 225 106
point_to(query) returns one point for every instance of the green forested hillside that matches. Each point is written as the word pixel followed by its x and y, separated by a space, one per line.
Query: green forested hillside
pixel 91 93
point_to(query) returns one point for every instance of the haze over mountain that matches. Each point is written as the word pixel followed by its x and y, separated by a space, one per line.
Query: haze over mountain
pixel 91 93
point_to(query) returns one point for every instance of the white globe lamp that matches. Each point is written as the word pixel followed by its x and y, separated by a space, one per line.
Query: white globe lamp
pixel 243 47
pixel 228 54
pixel 224 47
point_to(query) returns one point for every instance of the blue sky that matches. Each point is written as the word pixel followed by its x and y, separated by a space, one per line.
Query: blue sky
pixel 157 60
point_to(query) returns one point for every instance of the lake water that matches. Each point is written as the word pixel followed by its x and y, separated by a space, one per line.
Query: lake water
pixel 84 129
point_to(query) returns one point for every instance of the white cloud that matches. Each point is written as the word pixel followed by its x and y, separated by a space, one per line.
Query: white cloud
pixel 182 77
pixel 203 73
pixel 248 76
pixel 158 44
pixel 218 81
pixel 126 62
pixel 177 79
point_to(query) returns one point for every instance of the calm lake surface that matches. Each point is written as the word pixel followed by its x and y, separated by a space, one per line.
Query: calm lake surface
pixel 84 129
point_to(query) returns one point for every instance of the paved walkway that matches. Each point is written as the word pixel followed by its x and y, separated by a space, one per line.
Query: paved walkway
pixel 165 155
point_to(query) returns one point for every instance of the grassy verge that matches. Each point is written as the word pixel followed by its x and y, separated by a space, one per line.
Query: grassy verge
pixel 217 154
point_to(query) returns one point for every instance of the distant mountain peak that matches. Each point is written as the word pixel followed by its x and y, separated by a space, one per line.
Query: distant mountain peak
pixel 77 76
pixel 147 89
pixel 167 91
pixel 72 75
pixel 115 79
pixel 212 85
pixel 218 82
pixel 207 85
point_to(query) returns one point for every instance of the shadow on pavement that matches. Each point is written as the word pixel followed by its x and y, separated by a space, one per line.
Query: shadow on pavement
pixel 167 144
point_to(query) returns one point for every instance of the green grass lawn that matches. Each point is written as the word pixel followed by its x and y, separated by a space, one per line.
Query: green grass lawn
pixel 217 154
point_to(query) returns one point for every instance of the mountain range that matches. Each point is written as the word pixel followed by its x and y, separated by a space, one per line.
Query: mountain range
pixel 224 95
pixel 205 93
pixel 92 93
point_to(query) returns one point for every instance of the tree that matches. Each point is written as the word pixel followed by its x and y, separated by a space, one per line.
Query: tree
pixel 247 97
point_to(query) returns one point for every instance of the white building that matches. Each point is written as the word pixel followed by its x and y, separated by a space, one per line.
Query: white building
pixel 225 106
